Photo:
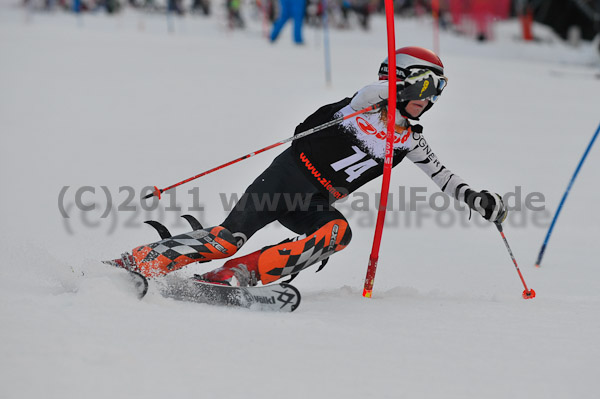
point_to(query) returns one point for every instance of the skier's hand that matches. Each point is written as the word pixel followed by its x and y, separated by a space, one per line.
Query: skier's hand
pixel 489 205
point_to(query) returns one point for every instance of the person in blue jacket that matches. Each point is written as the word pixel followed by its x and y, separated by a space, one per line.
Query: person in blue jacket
pixel 290 9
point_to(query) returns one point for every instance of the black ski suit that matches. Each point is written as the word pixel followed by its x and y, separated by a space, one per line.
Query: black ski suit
pixel 300 186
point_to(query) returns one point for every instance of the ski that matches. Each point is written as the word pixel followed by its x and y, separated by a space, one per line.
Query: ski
pixel 273 297
pixel 138 281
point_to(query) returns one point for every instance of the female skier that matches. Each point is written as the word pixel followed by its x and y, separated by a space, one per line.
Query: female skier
pixel 300 186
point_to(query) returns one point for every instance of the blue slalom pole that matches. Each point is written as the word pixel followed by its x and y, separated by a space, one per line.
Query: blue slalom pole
pixel 562 201
pixel 326 44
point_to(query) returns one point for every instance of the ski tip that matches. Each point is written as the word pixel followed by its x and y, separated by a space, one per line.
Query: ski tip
pixel 110 262
pixel 141 284
pixel 367 293
pixel 528 294
pixel 139 280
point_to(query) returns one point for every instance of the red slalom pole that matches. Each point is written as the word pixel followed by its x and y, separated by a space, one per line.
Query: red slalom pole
pixel 158 191
pixel 528 293
pixel 435 10
pixel 389 149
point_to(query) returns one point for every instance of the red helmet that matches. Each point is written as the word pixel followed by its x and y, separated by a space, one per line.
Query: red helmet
pixel 412 58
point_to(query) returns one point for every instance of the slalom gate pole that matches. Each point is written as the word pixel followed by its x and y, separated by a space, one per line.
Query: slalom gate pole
pixel 326 44
pixel 265 19
pixel 562 201
pixel 157 192
pixel 435 10
pixel 389 149
pixel 527 293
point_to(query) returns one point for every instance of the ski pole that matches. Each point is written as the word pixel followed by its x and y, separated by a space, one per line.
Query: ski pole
pixel 562 201
pixel 157 192
pixel 414 91
pixel 527 293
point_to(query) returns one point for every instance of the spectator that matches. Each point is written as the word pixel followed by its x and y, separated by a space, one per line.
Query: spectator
pixel 290 9
pixel 233 14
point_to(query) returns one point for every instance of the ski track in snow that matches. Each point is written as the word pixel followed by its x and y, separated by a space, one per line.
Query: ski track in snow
pixel 97 101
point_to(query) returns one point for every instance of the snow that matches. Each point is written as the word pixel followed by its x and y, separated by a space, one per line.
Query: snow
pixel 118 101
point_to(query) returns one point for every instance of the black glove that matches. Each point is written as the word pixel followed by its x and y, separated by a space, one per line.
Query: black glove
pixel 489 205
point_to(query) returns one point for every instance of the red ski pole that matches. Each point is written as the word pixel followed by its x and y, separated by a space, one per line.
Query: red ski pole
pixel 412 92
pixel 527 293
pixel 157 192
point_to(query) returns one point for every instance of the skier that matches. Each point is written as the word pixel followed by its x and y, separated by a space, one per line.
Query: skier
pixel 300 186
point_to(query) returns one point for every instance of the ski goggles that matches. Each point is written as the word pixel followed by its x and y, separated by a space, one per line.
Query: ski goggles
pixel 441 85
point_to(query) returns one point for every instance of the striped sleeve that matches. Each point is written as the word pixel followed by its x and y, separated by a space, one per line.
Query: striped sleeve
pixel 423 156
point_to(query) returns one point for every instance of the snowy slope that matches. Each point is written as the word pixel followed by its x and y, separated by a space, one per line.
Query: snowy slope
pixel 113 102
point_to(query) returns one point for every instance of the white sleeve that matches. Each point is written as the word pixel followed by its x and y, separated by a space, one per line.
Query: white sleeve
pixel 423 156
pixel 372 94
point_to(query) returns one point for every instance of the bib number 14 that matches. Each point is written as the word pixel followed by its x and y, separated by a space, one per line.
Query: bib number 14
pixel 353 166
